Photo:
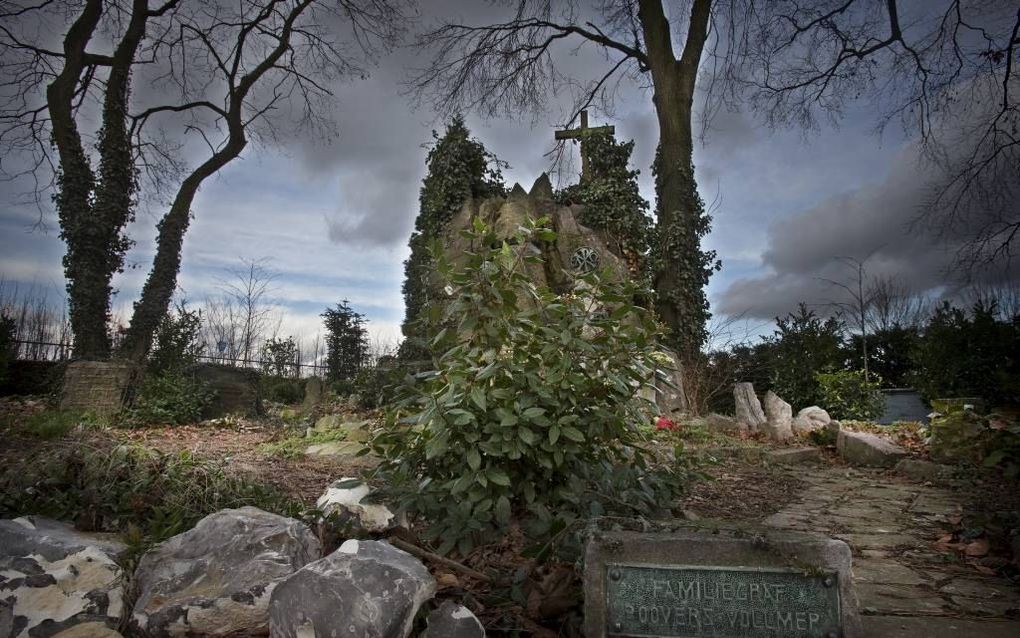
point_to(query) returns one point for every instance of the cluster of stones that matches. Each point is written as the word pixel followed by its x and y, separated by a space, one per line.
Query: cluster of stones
pixel 777 422
pixel 238 572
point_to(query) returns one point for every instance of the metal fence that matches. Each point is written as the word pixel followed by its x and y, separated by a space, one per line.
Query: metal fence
pixel 50 351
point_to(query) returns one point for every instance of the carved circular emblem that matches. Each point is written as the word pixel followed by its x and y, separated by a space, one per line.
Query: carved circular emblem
pixel 585 260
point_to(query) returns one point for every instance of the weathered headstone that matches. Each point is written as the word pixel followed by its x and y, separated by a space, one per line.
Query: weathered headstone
pixel 706 582
pixel 99 387
pixel 237 390
pixel 313 395
pixel 748 407
pixel 779 418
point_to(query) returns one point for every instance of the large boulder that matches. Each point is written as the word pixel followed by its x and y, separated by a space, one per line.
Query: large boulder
pixel 216 579
pixel 451 620
pixel 55 580
pixel 237 390
pixel 810 419
pixel 365 589
pixel 779 418
pixel 344 501
pixel 748 407
pixel 869 450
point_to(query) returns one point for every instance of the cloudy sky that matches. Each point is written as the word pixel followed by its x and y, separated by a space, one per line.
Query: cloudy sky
pixel 332 220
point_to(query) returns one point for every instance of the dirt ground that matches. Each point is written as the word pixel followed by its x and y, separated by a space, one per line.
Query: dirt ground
pixel 735 482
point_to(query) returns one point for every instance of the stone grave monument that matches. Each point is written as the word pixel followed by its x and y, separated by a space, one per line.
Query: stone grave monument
pixel 696 582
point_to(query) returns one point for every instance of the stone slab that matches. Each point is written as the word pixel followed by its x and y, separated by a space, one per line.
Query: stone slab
pixel 796 456
pixel 915 627
pixel 869 450
pixel 678 584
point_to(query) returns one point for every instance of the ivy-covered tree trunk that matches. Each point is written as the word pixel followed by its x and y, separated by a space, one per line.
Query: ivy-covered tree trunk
pixel 680 268
pixel 93 212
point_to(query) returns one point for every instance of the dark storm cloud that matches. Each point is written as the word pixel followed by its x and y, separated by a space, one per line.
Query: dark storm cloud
pixel 877 224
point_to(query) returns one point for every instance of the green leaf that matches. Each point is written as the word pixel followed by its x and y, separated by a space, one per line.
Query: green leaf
pixel 503 510
pixel 554 434
pixel 527 436
pixel 474 459
pixel 497 476
pixel 573 434
pixel 478 397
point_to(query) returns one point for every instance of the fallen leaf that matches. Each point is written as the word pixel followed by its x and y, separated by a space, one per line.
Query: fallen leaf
pixel 444 581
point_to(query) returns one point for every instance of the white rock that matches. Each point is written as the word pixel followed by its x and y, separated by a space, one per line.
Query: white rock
pixel 346 503
pixel 55 580
pixel 810 419
pixel 748 407
pixel 779 414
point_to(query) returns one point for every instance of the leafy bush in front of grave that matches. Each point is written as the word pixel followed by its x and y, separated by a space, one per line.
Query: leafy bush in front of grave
pixel 847 395
pixel 285 390
pixel 532 409
pixel 173 398
pixel 1005 446
pixel 377 386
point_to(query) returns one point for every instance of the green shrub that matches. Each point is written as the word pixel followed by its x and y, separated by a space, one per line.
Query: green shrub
pixel 122 488
pixel 377 386
pixel 177 343
pixel 532 408
pixel 173 399
pixel 283 390
pixel 846 395
pixel 1005 448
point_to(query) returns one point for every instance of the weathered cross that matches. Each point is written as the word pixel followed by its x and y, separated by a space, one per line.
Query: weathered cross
pixel 581 134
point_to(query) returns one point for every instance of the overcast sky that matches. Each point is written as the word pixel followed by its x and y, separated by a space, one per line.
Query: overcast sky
pixel 333 220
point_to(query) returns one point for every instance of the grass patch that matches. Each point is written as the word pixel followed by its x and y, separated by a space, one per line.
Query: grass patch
pixel 55 424
pixel 294 446
pixel 145 494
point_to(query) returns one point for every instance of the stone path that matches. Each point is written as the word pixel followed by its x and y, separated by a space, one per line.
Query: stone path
pixel 905 587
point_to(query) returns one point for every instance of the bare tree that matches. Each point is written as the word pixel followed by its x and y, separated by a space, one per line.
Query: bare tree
pixel 946 71
pixel 248 288
pixel 858 304
pixel 221 72
pixel 513 65
pixel 893 305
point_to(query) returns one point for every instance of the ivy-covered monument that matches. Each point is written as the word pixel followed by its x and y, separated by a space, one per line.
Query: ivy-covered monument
pixel 600 223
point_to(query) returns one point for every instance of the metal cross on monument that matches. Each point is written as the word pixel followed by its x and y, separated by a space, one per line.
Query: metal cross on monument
pixel 582 133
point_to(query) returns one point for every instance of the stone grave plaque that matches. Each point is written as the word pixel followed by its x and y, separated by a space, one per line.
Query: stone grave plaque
pixel 695 583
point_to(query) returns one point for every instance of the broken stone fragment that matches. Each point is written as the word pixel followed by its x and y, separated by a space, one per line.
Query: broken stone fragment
pixel 779 418
pixel 216 579
pixel 344 499
pixel 55 580
pixel 365 589
pixel 451 620
pixel 748 407
pixel 869 450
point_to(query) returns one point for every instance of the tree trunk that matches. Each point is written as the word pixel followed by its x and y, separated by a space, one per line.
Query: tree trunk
pixel 680 274
pixel 159 287
pixel 88 307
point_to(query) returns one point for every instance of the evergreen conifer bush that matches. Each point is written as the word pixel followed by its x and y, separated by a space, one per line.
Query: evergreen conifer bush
pixel 532 409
